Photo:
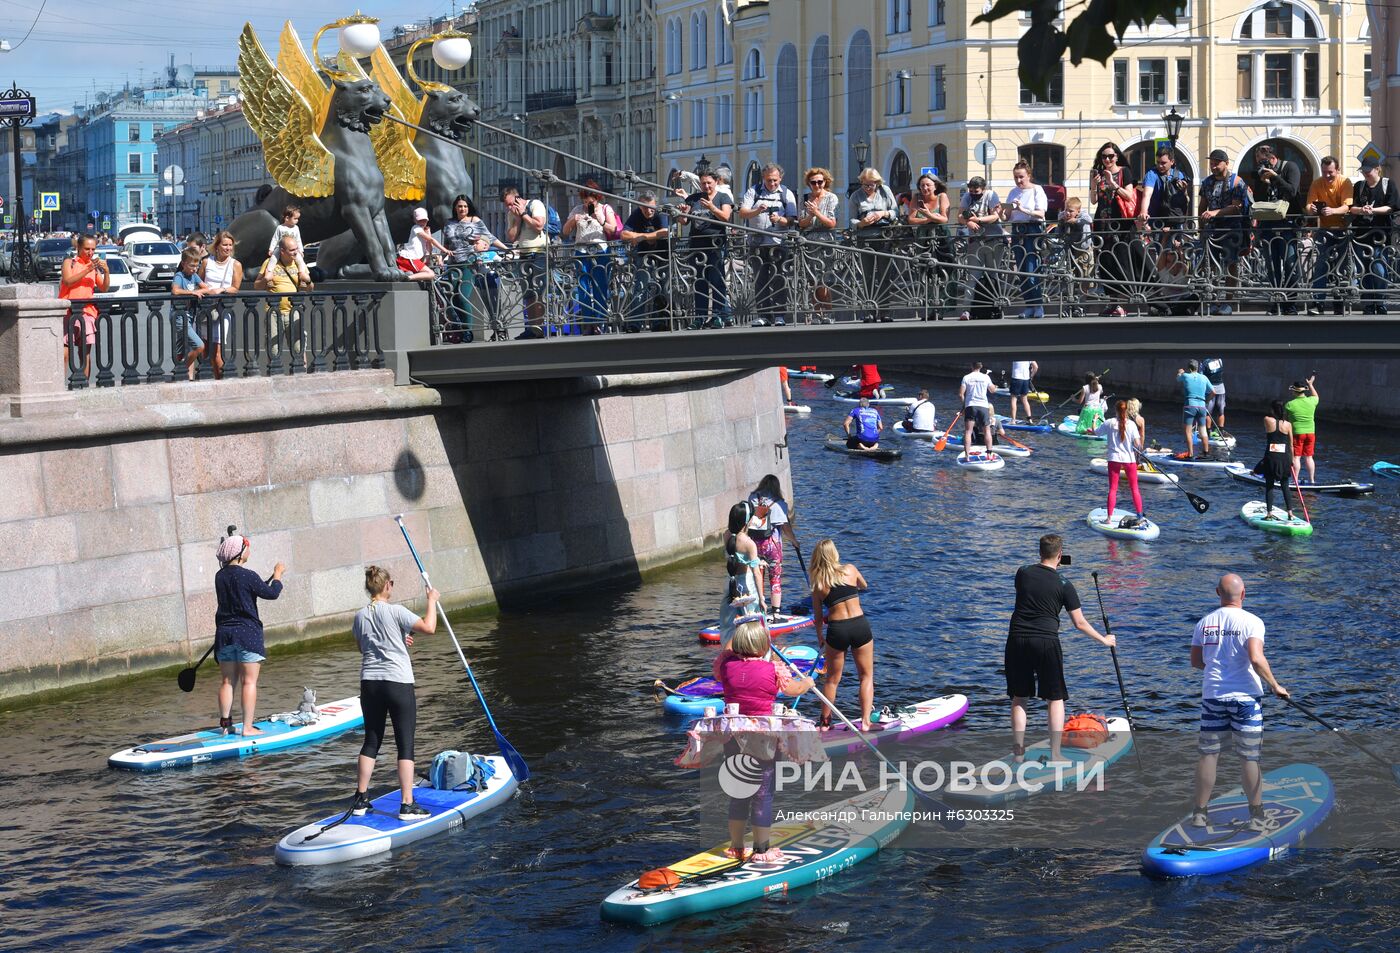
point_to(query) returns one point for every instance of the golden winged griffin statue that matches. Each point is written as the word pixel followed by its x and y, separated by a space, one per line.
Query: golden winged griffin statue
pixel 355 175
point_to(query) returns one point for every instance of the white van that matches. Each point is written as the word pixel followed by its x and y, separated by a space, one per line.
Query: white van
pixel 135 229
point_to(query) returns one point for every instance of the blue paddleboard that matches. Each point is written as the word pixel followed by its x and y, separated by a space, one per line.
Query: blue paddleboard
pixel 696 694
pixel 1297 798
pixel 1006 424
pixel 211 744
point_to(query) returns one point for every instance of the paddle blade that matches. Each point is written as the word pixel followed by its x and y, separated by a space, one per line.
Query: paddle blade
pixel 941 443
pixel 517 764
pixel 186 679
pixel 1199 503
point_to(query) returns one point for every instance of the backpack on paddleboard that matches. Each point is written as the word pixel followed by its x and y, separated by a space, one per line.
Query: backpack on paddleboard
pixel 454 771
pixel 1085 730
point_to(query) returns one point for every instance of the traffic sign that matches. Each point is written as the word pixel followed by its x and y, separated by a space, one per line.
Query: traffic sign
pixel 1372 151
pixel 106 224
pixel 218 220
pixel 1158 145
pixel 986 152
pixel 929 170
pixel 9 219
pixel 2 201
pixel 48 202
pixel 38 215
pixel 21 107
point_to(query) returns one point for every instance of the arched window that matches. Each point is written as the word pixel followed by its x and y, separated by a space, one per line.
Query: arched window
pixel 1278 20
pixel 785 128
pixel 901 177
pixel 699 41
pixel 940 162
pixel 724 48
pixel 1284 149
pixel 753 64
pixel 819 110
pixel 753 95
pixel 753 175
pixel 1047 162
pixel 1143 157
pixel 673 46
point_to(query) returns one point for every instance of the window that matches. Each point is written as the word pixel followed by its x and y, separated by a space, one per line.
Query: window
pixel 133 163
pixel 673 122
pixel 1152 81
pixel 899 86
pixel 133 201
pixel 1310 76
pixel 1244 69
pixel 897 16
pixel 753 65
pixel 1047 162
pixel 938 90
pixel 1054 96
pixel 697 119
pixel 1183 81
pixel 937 12
pixel 724 115
pixel 673 47
pixel 1278 19
pixel 133 132
pixel 940 162
pixel 1278 75
pixel 753 110
pixel 1120 82
pixel 724 49
pixel 1366 75
pixel 223 86
pixel 901 175
pixel 699 41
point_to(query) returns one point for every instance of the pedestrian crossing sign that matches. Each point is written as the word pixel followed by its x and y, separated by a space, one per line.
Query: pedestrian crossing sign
pixel 9 219
pixel 48 202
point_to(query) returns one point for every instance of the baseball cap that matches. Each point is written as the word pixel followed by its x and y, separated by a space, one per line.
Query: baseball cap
pixel 1369 163
pixel 420 215
pixel 1298 385
pixel 1219 155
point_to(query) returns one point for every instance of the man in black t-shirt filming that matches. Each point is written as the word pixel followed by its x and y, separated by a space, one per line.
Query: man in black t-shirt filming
pixel 1033 658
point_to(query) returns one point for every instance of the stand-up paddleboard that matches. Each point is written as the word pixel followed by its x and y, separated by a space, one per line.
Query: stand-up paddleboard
pixel 1171 459
pixel 998 448
pixel 796 409
pixel 809 375
pixel 980 461
pixel 876 401
pixel 694 695
pixel 1070 428
pixel 1297 797
pixel 900 430
pixel 1099 522
pixel 1254 514
pixel 211 744
pixel 381 829
pixel 1386 469
pixel 900 724
pixel 1244 474
pixel 886 454
pixel 1217 439
pixel 777 625
pixel 1146 474
pixel 812 851
pixel 1003 780
pixel 1006 424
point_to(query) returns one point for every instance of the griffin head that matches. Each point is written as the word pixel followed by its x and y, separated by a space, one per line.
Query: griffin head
pixel 358 103
pixel 448 112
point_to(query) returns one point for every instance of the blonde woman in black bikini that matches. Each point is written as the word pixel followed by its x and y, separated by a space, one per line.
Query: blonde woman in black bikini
pixel 836 590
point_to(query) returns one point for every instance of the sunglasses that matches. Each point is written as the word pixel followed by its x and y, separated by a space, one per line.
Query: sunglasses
pixel 1108 155
pixel 816 181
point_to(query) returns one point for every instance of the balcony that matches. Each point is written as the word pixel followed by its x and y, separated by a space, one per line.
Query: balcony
pixel 1277 107
pixel 550 99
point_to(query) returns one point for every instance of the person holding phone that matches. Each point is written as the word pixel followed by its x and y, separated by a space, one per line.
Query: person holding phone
pixel 84 275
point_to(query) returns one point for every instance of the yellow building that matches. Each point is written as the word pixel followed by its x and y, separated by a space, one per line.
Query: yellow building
pixel 806 82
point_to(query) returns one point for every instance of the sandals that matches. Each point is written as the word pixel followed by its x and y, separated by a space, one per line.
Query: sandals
pixel 735 853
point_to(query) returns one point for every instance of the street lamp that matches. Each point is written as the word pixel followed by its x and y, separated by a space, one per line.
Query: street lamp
pixel 862 149
pixel 1172 120
pixel 703 166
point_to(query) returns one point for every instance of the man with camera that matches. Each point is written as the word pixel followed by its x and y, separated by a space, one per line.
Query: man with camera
pixel 772 208
pixel 1276 194
pixel 1033 661
pixel 1166 197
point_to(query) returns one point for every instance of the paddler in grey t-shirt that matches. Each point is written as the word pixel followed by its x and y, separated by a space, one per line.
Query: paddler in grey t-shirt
pixel 381 631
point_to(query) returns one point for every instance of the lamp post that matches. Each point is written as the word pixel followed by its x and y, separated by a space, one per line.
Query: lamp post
pixel 1172 120
pixel 703 166
pixel 862 154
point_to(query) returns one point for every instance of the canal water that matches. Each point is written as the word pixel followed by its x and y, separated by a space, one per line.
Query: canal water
pixel 97 859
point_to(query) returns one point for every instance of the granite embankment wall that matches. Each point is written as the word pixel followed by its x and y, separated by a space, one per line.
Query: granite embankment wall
pixel 110 510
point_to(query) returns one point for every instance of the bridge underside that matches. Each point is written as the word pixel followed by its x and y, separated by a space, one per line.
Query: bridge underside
pixel 903 341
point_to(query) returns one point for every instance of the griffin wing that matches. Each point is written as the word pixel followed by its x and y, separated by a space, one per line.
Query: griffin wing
pixel 405 171
pixel 387 76
pixel 296 66
pixel 285 122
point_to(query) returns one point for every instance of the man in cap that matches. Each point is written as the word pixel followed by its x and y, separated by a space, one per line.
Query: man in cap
pixel 1302 412
pixel 1223 197
pixel 1374 200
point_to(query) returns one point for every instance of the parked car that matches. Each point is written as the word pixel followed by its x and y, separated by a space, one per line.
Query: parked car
pixel 137 231
pixel 152 262
pixel 48 257
pixel 122 285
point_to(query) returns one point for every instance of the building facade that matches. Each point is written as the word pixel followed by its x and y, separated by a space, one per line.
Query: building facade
pixel 222 164
pixel 914 84
pixel 574 75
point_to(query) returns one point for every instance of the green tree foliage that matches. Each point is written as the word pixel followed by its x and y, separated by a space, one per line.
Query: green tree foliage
pixel 1094 33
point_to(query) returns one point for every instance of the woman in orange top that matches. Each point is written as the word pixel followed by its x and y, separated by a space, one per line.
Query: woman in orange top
pixel 83 275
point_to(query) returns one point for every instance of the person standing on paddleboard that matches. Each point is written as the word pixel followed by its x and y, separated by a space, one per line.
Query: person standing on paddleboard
pixel 767 529
pixel 1033 660
pixel 868 426
pixel 920 417
pixel 1022 373
pixel 1278 458
pixel 384 631
pixel 976 392
pixel 744 568
pixel 1194 388
pixel 841 627
pixel 1302 414
pixel 1214 370
pixel 1228 647
pixel 238 630
pixel 1123 436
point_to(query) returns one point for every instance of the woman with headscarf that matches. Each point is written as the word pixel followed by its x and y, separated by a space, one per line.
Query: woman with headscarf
pixel 238 630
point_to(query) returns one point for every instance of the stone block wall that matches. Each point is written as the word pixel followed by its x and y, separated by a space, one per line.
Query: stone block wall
pixel 109 517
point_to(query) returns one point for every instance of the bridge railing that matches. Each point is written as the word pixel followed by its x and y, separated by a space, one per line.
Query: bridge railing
pixel 1178 267
pixel 149 339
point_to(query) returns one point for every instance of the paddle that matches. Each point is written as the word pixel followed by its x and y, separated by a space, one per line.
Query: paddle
pixel 1394 768
pixel 1076 393
pixel 1200 503
pixel 1113 650
pixel 1013 442
pixel 187 675
pixel 942 442
pixel 513 759
pixel 1220 427
pixel 945 814
pixel 1299 488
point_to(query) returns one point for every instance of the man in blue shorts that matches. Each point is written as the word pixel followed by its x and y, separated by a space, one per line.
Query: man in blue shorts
pixel 1194 388
pixel 867 425
pixel 1228 646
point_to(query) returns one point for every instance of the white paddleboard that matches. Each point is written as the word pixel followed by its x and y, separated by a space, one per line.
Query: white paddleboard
pixel 877 401
pixel 981 461
pixel 1099 522
pixel 809 375
pixel 796 409
pixel 1146 473
pixel 902 431
pixel 1003 780
pixel 1070 428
